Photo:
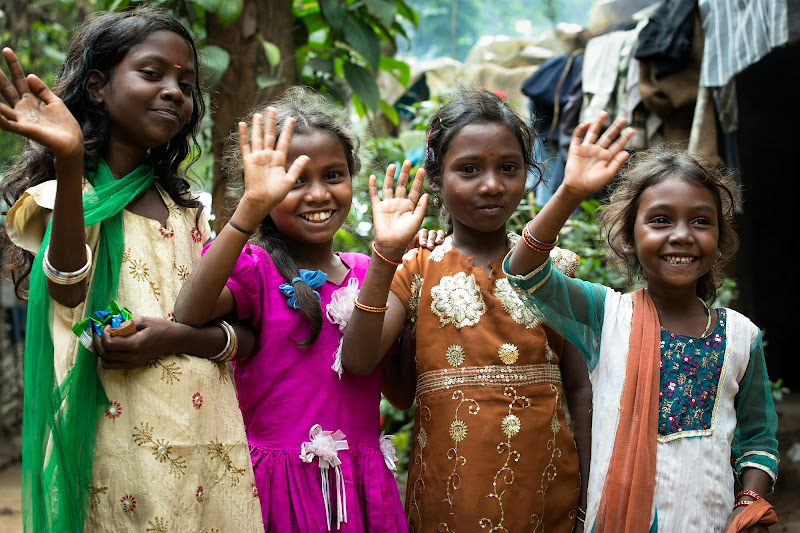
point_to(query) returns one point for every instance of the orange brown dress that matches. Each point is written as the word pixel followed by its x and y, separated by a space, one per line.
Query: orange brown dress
pixel 491 448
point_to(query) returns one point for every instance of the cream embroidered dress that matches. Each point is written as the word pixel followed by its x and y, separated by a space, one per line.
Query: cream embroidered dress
pixel 170 452
pixel 491 447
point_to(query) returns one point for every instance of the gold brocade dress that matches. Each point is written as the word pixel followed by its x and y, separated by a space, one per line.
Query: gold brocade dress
pixel 170 452
pixel 491 449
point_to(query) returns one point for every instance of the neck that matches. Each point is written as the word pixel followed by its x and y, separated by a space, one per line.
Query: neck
pixel 484 247
pixel 122 159
pixel 314 256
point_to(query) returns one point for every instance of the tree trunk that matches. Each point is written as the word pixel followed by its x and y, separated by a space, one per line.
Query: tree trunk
pixel 237 91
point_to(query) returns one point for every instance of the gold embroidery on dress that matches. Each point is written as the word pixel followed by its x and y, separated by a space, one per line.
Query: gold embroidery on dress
pixel 218 451
pixel 508 353
pixel 454 355
pixel 140 272
pixel 466 377
pixel 170 372
pixel 550 471
pixel 457 300
pixel 161 449
pixel 157 525
pixel 413 301
pixel 222 368
pixel 458 432
pixel 183 271
pixel 94 495
pixel 418 487
pixel 512 304
pixel 510 426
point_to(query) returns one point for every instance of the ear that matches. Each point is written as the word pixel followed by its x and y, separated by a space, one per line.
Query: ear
pixel 628 249
pixel 95 83
pixel 435 186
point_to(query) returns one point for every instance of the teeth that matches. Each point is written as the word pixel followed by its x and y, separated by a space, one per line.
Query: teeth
pixel 317 217
pixel 678 260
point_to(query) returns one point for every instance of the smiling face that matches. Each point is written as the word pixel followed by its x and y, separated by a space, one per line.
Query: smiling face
pixel 149 95
pixel 320 201
pixel 676 234
pixel 483 177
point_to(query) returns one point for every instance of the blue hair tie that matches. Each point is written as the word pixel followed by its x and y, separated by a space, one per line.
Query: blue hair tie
pixel 312 278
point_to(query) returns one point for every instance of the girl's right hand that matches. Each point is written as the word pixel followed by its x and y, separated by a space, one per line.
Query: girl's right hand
pixel 396 218
pixel 595 156
pixel 266 180
pixel 33 111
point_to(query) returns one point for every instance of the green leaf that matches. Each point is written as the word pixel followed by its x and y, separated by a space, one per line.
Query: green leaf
pixel 335 13
pixel 363 84
pixel 215 62
pixel 267 80
pixel 272 52
pixel 229 10
pixel 384 9
pixel 390 112
pixel 399 69
pixel 362 38
pixel 209 5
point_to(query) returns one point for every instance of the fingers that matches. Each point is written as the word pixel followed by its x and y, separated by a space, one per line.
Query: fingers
pixel 388 181
pixel 13 91
pixel 402 180
pixel 285 139
pixel 256 138
pixel 595 128
pixel 269 127
pixel 244 144
pixel 298 165
pixel 416 186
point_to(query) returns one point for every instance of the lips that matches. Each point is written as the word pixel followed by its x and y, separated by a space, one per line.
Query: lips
pixel 317 216
pixel 168 113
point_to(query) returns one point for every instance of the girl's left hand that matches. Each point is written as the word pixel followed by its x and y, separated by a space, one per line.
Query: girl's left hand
pixel 757 528
pixel 133 351
pixel 396 217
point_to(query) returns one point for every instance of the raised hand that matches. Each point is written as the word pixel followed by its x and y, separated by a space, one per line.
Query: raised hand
pixel 594 156
pixel 396 217
pixel 266 180
pixel 33 111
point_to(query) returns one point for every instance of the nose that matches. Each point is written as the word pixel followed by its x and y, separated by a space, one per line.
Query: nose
pixel 681 233
pixel 316 192
pixel 172 90
pixel 491 184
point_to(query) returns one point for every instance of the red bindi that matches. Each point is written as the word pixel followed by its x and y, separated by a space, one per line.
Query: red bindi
pixel 177 64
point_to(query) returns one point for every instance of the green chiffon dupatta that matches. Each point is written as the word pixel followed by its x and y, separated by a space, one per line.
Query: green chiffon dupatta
pixel 59 419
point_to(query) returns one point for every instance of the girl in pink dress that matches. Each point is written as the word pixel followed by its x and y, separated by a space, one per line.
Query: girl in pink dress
pixel 319 458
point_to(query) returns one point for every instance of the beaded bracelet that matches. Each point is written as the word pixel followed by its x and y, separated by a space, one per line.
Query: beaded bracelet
pixel 395 263
pixel 750 493
pixel 231 347
pixel 536 245
pixel 66 278
pixel 369 308
pixel 744 503
pixel 237 228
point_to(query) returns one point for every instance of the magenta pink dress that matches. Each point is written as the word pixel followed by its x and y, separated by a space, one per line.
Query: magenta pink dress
pixel 285 392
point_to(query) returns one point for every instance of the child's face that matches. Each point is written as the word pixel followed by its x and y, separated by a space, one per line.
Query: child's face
pixel 676 233
pixel 149 95
pixel 320 201
pixel 483 177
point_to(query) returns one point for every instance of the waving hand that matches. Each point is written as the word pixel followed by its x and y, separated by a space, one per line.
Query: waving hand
pixel 397 217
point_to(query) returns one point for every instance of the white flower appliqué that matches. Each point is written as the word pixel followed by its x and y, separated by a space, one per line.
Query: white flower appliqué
pixel 339 311
pixel 326 445
pixel 457 300
pixel 388 450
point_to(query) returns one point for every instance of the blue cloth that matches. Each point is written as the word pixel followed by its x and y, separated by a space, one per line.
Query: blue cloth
pixel 312 278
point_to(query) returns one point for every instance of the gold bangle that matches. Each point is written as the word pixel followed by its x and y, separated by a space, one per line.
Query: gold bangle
pixel 369 308
pixel 66 278
pixel 231 347
pixel 395 263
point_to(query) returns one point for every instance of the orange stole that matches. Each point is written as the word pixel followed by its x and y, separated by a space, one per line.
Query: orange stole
pixel 760 512
pixel 627 497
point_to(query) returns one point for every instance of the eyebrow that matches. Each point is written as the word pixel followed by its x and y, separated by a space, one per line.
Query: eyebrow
pixel 473 156
pixel 161 59
pixel 699 207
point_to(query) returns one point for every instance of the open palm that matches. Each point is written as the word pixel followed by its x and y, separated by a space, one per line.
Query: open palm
pixel 594 156
pixel 35 112
pixel 266 180
pixel 397 216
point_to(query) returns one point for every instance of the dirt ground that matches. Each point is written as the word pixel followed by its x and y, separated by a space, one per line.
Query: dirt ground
pixel 786 498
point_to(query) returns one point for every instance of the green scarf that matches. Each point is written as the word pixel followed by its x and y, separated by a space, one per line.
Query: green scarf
pixel 59 419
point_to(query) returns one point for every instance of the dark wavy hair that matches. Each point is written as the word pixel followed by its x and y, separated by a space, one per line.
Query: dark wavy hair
pixel 311 112
pixel 651 167
pixel 473 106
pixel 102 42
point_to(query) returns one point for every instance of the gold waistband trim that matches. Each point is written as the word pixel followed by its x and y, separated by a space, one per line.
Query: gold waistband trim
pixel 487 376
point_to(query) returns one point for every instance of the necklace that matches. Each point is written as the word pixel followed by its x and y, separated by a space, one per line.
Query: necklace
pixel 707 329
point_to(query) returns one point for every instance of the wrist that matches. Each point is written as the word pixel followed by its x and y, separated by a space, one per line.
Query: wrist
pixel 388 254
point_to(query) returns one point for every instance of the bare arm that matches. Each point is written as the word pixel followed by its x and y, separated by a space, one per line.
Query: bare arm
pixel 578 392
pixel 33 111
pixel 757 481
pixel 593 161
pixel 399 376
pixel 396 219
pixel 204 296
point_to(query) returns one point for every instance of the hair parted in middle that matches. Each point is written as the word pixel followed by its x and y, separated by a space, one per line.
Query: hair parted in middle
pixel 650 167
pixel 473 106
pixel 311 111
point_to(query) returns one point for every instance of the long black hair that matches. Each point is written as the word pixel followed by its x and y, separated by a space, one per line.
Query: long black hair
pixel 102 42
pixel 311 112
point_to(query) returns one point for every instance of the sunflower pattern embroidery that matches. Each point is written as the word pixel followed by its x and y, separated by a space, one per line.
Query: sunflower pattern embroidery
pixel 183 272
pixel 197 400
pixel 139 271
pixel 161 449
pixel 128 503
pixel 458 432
pixel 455 355
pixel 114 410
pixel 457 300
pixel 166 233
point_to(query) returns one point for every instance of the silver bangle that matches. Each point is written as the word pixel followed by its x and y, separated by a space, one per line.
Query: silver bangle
pixel 231 347
pixel 66 278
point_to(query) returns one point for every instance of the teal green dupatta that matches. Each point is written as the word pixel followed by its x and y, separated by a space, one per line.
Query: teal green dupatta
pixel 59 419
